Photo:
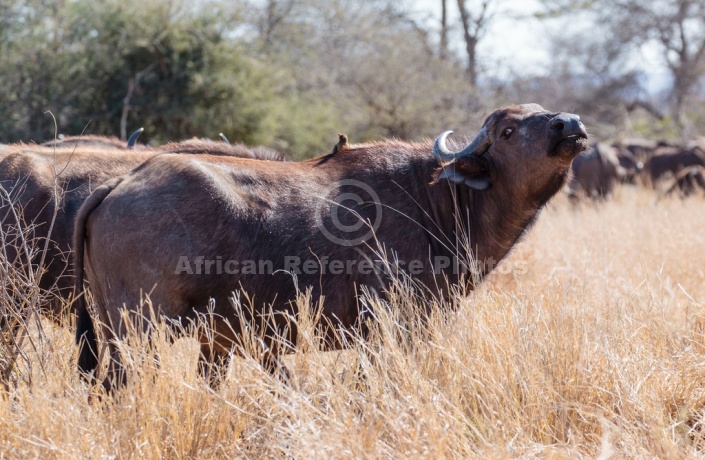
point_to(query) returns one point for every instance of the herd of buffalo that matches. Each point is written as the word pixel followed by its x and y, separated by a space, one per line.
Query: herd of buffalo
pixel 671 168
pixel 236 232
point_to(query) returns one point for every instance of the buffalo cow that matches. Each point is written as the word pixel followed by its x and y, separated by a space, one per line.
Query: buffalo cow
pixel 688 181
pixel 596 171
pixel 31 196
pixel 94 141
pixel 186 230
pixel 641 149
pixel 630 164
pixel 41 181
pixel 669 160
pixel 88 140
pixel 207 146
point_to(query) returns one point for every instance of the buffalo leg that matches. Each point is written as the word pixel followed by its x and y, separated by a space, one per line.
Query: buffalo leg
pixel 116 376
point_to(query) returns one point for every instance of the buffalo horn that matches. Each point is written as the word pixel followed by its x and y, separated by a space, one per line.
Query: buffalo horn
pixel 133 138
pixel 476 147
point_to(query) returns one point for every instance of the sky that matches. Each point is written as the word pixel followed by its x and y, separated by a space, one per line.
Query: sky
pixel 516 45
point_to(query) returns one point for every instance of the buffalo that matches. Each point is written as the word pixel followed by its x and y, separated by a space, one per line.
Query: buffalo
pixel 94 141
pixel 207 146
pixel 595 172
pixel 89 140
pixel 39 182
pixel 631 166
pixel 669 160
pixel 688 181
pixel 42 189
pixel 189 230
pixel 641 149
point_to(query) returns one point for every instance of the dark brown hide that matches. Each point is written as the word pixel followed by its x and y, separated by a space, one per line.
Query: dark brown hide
pixel 156 229
pixel 40 181
pixel 27 176
pixel 630 164
pixel 87 141
pixel 596 171
pixel 206 146
pixel 688 181
pixel 669 160
pixel 642 149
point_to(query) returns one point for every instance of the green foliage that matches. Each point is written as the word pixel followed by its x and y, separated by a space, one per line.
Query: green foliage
pixel 291 74
pixel 150 69
pixel 647 127
pixel 287 74
pixel 257 103
pixel 111 66
pixel 363 68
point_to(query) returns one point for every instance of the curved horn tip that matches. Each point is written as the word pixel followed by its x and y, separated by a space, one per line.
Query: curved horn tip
pixel 133 138
pixel 445 135
pixel 441 139
pixel 440 150
pixel 224 138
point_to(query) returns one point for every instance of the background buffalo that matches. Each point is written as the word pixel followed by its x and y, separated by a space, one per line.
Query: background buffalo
pixel 669 160
pixel 42 188
pixel 596 172
pixel 688 181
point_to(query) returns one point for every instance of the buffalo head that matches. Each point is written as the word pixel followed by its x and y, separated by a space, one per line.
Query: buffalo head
pixel 522 147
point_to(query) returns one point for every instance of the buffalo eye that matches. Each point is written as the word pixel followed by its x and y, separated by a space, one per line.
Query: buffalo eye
pixel 507 132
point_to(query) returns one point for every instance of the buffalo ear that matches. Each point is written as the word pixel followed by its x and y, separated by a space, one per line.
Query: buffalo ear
pixel 470 170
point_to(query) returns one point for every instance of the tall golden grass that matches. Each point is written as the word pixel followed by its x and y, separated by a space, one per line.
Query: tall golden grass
pixel 588 342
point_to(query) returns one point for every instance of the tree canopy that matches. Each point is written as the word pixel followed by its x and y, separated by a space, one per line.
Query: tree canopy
pixel 292 73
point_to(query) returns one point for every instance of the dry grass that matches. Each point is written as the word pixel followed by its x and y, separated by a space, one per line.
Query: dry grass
pixel 592 347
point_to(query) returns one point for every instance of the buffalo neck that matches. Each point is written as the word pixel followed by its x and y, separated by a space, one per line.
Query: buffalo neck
pixel 482 224
pixel 478 225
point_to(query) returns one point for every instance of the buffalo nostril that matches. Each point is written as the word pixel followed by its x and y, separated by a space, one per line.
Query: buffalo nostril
pixel 557 125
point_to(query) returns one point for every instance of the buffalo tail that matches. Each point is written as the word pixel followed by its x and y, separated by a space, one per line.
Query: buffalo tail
pixel 85 329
